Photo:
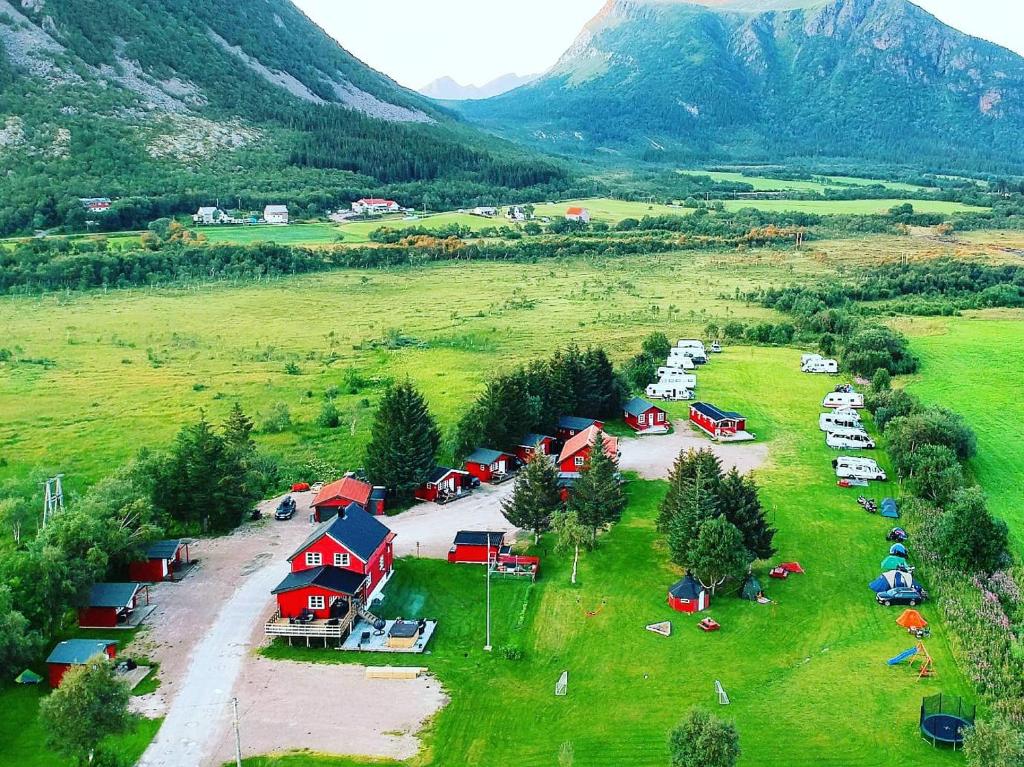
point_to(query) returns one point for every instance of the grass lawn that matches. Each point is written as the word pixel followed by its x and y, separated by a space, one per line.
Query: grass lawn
pixel 818 184
pixel 973 365
pixel 359 231
pixel 806 675
pixel 293 234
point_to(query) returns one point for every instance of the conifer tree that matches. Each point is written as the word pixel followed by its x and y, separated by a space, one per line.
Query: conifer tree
pixel 535 498
pixel 738 501
pixel 597 497
pixel 403 441
pixel 688 466
pixel 696 503
pixel 238 429
pixel 717 553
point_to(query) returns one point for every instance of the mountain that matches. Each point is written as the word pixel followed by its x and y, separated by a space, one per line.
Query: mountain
pixel 878 80
pixel 168 104
pixel 447 89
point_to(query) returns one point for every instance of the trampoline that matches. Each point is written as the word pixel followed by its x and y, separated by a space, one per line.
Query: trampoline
pixel 944 718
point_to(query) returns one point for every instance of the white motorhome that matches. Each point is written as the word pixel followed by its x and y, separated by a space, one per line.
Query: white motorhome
pixel 805 358
pixel 842 399
pixel 821 366
pixel 843 418
pixel 697 355
pixel 670 391
pixel 690 343
pixel 849 439
pixel 851 467
pixel 679 379
pixel 679 362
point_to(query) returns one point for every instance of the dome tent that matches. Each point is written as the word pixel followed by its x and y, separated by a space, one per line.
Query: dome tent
pixel 893 562
pixel 751 588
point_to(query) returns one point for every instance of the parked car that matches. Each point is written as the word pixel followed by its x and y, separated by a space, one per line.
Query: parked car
pixel 716 348
pixel 286 508
pixel 902 595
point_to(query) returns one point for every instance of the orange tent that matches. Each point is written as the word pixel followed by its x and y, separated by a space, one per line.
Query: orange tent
pixel 911 619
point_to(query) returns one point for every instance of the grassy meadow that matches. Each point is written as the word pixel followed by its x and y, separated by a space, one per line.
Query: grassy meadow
pixel 820 184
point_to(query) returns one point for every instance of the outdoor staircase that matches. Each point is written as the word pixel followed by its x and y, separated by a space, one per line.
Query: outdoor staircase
pixel 363 612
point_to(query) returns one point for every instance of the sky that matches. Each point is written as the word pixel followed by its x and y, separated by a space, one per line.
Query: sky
pixel 418 41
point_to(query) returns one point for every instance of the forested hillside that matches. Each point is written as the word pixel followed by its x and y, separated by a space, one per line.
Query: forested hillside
pixel 167 104
pixel 875 80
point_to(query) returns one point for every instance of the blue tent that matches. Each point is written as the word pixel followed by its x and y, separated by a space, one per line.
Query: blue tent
pixel 898 550
pixel 889 509
pixel 891 579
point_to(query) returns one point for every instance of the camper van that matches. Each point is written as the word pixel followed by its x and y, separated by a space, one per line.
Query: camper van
pixel 839 419
pixel 821 366
pixel 699 356
pixel 679 379
pixel 842 399
pixel 691 343
pixel 806 358
pixel 669 391
pixel 849 439
pixel 850 467
pixel 680 362
pixel 673 370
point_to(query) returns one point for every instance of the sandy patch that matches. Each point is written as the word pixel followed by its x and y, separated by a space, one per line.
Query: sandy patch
pixel 652 457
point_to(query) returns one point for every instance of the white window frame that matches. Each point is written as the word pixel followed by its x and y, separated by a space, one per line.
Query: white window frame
pixel 382 566
pixel 342 559
pixel 315 602
pixel 579 460
pixel 661 417
pixel 314 559
pixel 642 419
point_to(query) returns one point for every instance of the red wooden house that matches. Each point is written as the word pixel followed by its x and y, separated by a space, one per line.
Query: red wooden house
pixel 490 465
pixel 643 417
pixel 718 424
pixel 570 425
pixel 162 560
pixel 77 652
pixel 339 494
pixel 112 604
pixel 444 485
pixel 688 596
pixel 477 546
pixel 353 540
pixel 323 592
pixel 532 444
pixel 576 452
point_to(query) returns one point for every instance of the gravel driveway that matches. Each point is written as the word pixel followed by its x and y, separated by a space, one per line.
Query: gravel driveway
pixel 652 457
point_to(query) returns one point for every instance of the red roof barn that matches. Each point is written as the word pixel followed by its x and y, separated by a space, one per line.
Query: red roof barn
pixel 339 494
pixel 111 604
pixel 477 546
pixel 570 426
pixel 718 424
pixel 162 560
pixel 688 596
pixel 643 417
pixel 576 452
pixel 534 443
pixel 490 465
pixel 77 652
pixel 444 485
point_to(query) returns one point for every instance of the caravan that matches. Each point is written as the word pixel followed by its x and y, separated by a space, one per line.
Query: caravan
pixel 699 356
pixel 839 419
pixel 850 467
pixel 669 391
pixel 684 363
pixel 838 399
pixel 820 366
pixel 691 343
pixel 849 439
pixel 806 358
pixel 679 379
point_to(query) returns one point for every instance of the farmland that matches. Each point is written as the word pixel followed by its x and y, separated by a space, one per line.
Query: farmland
pixel 818 185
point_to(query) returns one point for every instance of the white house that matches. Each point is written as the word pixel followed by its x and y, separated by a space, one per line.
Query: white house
pixel 485 211
pixel 578 214
pixel 516 213
pixel 375 206
pixel 209 215
pixel 276 214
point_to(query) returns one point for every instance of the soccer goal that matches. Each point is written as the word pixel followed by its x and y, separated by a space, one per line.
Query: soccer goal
pixel 723 697
pixel 562 685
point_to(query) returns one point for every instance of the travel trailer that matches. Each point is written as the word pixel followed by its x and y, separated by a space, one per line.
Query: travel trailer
pixel 849 439
pixel 821 366
pixel 850 467
pixel 690 343
pixel 843 399
pixel 698 356
pixel 679 379
pixel 839 420
pixel 669 391
pixel 805 358
pixel 685 363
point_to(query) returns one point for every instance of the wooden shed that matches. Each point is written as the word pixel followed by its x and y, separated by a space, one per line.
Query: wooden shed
pixel 112 604
pixel 162 560
pixel 77 652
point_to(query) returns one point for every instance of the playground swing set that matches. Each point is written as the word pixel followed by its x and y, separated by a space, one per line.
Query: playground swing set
pixel 917 655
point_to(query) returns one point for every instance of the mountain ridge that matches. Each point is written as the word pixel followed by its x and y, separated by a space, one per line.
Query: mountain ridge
pixel 448 89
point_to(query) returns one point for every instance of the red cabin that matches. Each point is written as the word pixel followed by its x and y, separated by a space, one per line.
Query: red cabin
pixel 718 424
pixel 532 444
pixel 643 417
pixel 490 465
pixel 477 546
pixel 352 540
pixel 688 596
pixel 444 485
pixel 77 652
pixel 570 425
pixel 112 604
pixel 576 452
pixel 349 489
pixel 320 592
pixel 163 560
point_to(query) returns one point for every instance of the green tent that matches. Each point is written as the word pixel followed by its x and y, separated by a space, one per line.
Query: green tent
pixel 751 588
pixel 28 677
pixel 893 562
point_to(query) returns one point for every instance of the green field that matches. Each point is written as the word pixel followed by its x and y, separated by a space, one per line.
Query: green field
pixel 819 185
pixel 806 675
pixel 973 365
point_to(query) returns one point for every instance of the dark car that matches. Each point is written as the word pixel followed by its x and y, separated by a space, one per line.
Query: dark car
pixel 285 509
pixel 903 595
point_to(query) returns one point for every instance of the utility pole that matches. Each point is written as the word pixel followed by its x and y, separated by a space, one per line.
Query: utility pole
pixel 487 647
pixel 238 737
pixel 53 498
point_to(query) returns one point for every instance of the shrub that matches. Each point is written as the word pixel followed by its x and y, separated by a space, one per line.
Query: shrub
pixel 279 419
pixel 329 417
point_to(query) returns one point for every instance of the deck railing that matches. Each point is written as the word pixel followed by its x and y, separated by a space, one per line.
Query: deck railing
pixel 278 626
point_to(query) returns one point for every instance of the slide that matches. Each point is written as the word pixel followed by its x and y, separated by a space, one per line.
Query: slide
pixel 902 656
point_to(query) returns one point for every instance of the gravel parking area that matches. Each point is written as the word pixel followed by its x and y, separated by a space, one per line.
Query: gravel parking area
pixel 652 457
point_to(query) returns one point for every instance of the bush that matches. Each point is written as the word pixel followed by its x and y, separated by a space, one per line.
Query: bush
pixel 703 740
pixel 279 419
pixel 511 652
pixel 329 417
pixel 878 348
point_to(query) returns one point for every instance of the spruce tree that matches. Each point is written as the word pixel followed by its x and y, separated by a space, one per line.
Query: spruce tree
pixel 403 441
pixel 697 503
pixel 688 466
pixel 535 498
pixel 717 553
pixel 738 501
pixel 597 497
pixel 238 429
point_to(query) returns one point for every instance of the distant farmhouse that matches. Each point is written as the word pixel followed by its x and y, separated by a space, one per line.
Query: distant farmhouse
pixel 276 214
pixel 96 204
pixel 210 215
pixel 516 213
pixel 578 214
pixel 486 212
pixel 375 206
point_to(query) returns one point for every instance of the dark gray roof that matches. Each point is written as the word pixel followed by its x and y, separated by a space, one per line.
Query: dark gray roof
pixel 355 529
pixel 163 549
pixel 330 578
pixel 575 422
pixel 79 651
pixel 112 594
pixel 686 588
pixel 531 440
pixel 403 629
pixel 714 413
pixel 638 406
pixel 440 472
pixel 478 537
pixel 485 456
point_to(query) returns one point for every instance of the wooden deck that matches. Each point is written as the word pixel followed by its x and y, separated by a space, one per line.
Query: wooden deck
pixel 334 628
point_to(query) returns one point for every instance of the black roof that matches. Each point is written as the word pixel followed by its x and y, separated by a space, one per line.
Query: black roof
pixel 440 472
pixel 531 440
pixel 354 528
pixel 686 588
pixel 163 549
pixel 112 594
pixel 478 537
pixel 575 422
pixel 403 629
pixel 485 456
pixel 79 651
pixel 714 413
pixel 330 578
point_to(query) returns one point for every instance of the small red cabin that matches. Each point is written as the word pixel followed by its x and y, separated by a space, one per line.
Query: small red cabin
pixel 570 425
pixel 349 489
pixel 532 444
pixel 576 452
pixel 162 560
pixel 643 417
pixel 112 604
pixel 688 596
pixel 716 423
pixel 444 485
pixel 320 592
pixel 490 465
pixel 477 546
pixel 77 652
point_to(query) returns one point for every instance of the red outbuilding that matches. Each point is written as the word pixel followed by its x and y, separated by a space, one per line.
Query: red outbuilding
pixel 444 485
pixel 477 546
pixel 77 652
pixel 320 592
pixel 688 596
pixel 643 417
pixel 532 444
pixel 349 489
pixel 352 540
pixel 718 424
pixel 570 425
pixel 163 560
pixel 490 465
pixel 112 604
pixel 576 452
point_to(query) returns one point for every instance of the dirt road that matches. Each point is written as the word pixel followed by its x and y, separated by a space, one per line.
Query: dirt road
pixel 652 457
